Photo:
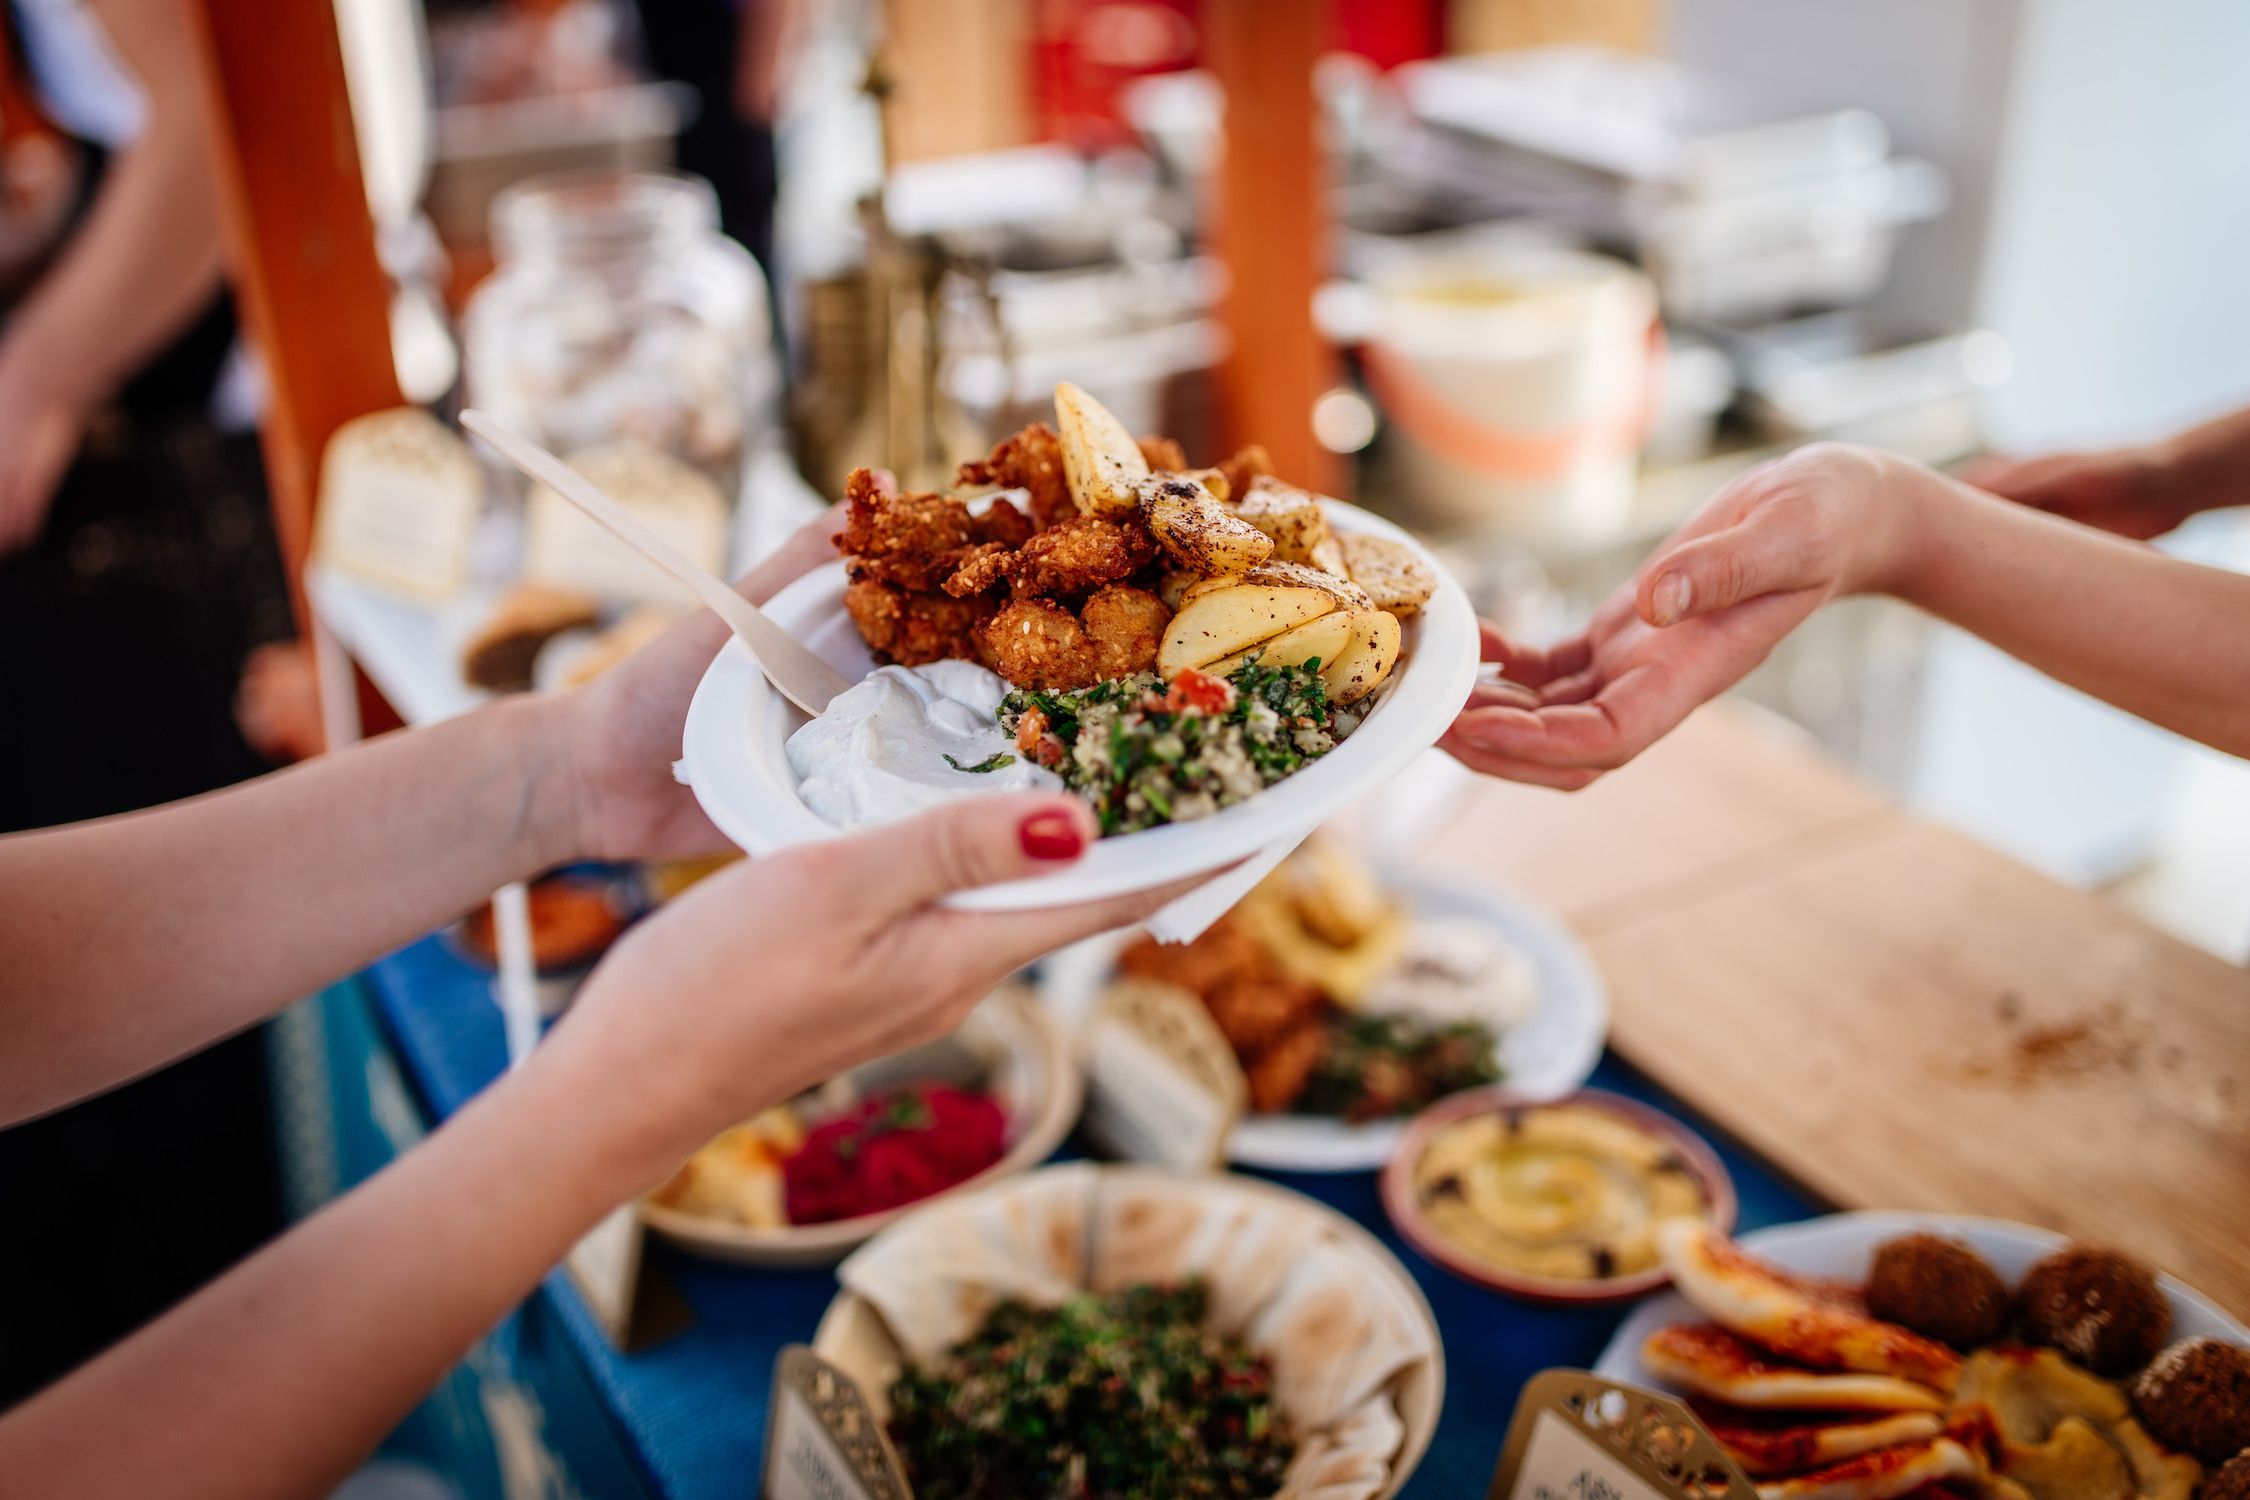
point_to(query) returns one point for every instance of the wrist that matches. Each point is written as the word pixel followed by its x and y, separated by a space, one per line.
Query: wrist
pixel 1902 504
pixel 549 811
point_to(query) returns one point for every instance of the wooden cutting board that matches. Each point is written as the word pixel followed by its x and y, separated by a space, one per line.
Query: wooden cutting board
pixel 1901 1017
pixel 1893 1014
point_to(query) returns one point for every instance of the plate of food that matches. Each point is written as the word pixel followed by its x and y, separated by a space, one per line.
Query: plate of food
pixel 1864 1356
pixel 1353 999
pixel 1562 1201
pixel 1290 1353
pixel 806 1181
pixel 1214 659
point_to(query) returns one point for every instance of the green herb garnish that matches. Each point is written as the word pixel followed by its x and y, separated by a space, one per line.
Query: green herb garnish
pixel 992 762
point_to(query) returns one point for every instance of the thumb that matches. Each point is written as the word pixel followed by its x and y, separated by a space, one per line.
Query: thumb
pixel 980 841
pixel 1759 555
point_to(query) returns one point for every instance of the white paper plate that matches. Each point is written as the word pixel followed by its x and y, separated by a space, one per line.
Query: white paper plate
pixel 1547 1055
pixel 1841 1246
pixel 738 729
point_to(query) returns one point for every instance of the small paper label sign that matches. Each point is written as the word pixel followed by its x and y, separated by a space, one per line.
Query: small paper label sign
pixel 822 1439
pixel 399 500
pixel 1577 1436
pixel 1162 1085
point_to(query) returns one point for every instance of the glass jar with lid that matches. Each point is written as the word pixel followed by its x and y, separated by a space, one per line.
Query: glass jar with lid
pixel 617 313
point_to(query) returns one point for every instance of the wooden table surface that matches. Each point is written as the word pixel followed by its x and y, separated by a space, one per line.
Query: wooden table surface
pixel 1892 1013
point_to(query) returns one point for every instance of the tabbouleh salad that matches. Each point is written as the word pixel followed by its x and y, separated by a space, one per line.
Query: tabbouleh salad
pixel 1119 1397
pixel 1144 752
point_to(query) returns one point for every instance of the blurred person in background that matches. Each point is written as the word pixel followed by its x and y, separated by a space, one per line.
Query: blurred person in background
pixel 138 568
pixel 2059 580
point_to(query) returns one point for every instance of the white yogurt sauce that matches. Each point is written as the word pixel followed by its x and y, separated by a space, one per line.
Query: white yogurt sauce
pixel 879 752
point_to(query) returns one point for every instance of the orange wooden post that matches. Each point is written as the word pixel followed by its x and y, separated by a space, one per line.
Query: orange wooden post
pixel 301 242
pixel 1271 222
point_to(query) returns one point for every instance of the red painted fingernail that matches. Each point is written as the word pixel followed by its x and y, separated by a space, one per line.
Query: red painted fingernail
pixel 1051 835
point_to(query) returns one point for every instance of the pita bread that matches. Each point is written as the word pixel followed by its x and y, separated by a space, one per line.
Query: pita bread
pixel 1789 1443
pixel 936 1276
pixel 1885 1474
pixel 1333 1340
pixel 1813 1323
pixel 1164 1231
pixel 1706 1360
pixel 1351 1463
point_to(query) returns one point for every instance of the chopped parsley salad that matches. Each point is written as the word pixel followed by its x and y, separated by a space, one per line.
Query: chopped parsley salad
pixel 1101 1398
pixel 1145 752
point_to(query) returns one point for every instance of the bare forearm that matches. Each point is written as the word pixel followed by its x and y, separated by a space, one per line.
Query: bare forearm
pixel 2208 467
pixel 136 939
pixel 281 1376
pixel 149 255
pixel 2165 639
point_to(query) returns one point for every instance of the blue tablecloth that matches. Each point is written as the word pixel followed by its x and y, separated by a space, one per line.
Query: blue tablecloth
pixel 692 1411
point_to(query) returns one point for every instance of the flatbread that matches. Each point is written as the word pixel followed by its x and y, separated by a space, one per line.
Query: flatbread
pixel 1706 1360
pixel 1884 1474
pixel 939 1275
pixel 1791 1442
pixel 1163 1231
pixel 1331 1338
pixel 1826 1327
pixel 1353 1462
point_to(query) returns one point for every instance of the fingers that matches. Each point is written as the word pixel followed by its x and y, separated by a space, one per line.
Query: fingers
pixel 980 841
pixel 1531 666
pixel 1506 768
pixel 1777 549
pixel 1623 719
pixel 1016 938
pixel 808 547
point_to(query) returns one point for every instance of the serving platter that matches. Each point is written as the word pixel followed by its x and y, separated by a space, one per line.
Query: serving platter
pixel 1841 1247
pixel 1029 1068
pixel 1545 1056
pixel 734 751
pixel 854 1337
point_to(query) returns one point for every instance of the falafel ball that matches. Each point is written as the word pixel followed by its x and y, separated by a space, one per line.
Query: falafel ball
pixel 1938 1287
pixel 2230 1481
pixel 2195 1397
pixel 2099 1306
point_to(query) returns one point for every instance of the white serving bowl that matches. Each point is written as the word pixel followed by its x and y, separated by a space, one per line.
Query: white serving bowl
pixel 738 726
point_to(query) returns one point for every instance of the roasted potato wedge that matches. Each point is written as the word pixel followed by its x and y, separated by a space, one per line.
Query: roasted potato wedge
pixel 1329 557
pixel 1365 660
pixel 1173 588
pixel 1214 480
pixel 1201 534
pixel 1347 594
pixel 1393 575
pixel 1226 622
pixel 1291 516
pixel 1102 462
pixel 1315 640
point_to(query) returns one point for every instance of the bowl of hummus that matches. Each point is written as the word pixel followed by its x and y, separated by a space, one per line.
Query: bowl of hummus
pixel 1558 1201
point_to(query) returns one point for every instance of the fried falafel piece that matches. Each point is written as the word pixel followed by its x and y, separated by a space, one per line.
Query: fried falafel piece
pixel 1225 951
pixel 1255 1011
pixel 981 569
pixel 2230 1481
pixel 1030 461
pixel 909 628
pixel 1246 465
pixel 1080 554
pixel 1938 1287
pixel 1124 626
pixel 2195 1397
pixel 1036 643
pixel 2099 1306
pixel 1278 1075
pixel 908 541
pixel 1164 454
pixel 1004 524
